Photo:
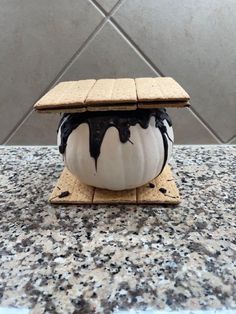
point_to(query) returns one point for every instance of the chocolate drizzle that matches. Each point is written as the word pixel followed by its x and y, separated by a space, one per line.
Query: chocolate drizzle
pixel 99 122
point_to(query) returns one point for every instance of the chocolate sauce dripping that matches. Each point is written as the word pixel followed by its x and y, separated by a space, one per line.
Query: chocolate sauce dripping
pixel 164 134
pixel 99 122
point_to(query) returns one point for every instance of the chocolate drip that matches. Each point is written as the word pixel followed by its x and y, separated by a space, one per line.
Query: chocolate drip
pixel 99 122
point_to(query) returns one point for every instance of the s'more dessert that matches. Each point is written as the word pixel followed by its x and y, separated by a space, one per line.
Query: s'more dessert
pixel 115 134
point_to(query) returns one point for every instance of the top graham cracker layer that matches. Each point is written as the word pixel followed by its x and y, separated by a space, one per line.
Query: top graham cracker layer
pixel 113 94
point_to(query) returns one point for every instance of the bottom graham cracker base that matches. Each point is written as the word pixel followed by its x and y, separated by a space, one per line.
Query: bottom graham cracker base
pixel 162 190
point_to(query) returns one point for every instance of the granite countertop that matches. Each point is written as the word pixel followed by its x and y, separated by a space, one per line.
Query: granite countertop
pixel 109 259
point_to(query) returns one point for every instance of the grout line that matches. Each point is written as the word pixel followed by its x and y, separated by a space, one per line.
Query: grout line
pixel 17 127
pixel 57 78
pixel 231 140
pixel 102 10
pixel 205 124
pixel 136 48
pixel 152 65
pixel 106 17
pixel 160 73
pixel 126 37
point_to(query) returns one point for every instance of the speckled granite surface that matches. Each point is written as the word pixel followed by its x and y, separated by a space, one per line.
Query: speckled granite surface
pixel 58 259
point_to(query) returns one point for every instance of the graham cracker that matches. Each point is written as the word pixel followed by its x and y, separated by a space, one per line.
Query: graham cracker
pixel 78 192
pixel 66 94
pixel 167 104
pixel 164 190
pixel 113 94
pixel 102 196
pixel 161 190
pixel 159 89
pixel 112 91
pixel 63 109
pixel 112 108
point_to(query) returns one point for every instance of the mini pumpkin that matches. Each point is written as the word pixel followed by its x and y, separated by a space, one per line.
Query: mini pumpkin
pixel 116 150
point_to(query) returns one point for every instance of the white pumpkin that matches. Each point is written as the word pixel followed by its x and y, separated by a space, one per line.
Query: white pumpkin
pixel 120 166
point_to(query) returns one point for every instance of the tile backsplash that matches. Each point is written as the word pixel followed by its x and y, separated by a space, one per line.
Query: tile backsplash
pixel 44 42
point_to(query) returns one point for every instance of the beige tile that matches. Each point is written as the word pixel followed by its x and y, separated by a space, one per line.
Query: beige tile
pixel 193 41
pixel 100 59
pixel 233 141
pixel 188 129
pixel 181 40
pixel 38 129
pixel 38 38
pixel 108 56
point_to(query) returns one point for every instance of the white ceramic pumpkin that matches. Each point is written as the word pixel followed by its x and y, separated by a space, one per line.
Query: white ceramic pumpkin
pixel 120 165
